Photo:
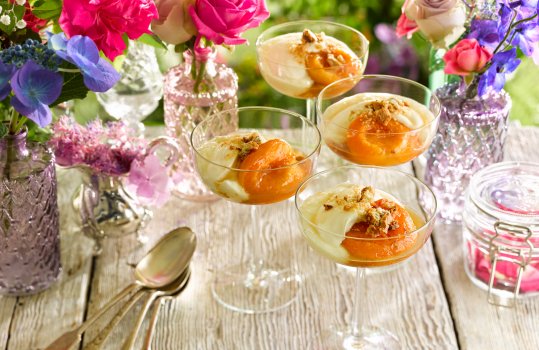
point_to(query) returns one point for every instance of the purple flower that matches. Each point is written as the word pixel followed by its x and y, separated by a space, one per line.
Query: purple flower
pixel 485 31
pixel 494 78
pixel 35 89
pixel 524 35
pixel 6 72
pixel 98 74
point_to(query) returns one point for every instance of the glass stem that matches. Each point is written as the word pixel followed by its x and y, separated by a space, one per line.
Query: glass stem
pixel 257 260
pixel 359 316
pixel 311 110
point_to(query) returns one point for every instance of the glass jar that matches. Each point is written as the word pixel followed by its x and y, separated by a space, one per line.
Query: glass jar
pixel 501 231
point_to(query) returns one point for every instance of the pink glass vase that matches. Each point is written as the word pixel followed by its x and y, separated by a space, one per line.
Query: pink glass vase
pixel 189 97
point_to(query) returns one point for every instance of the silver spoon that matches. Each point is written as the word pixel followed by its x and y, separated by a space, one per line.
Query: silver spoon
pixel 130 342
pixel 155 315
pixel 173 288
pixel 162 265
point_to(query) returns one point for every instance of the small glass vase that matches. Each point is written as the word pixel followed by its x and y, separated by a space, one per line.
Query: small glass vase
pixel 185 108
pixel 29 226
pixel 107 210
pixel 138 92
pixel 471 136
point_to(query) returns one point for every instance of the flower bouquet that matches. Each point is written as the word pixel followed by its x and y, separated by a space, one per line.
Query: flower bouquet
pixel 49 53
pixel 479 42
pixel 200 86
pixel 123 174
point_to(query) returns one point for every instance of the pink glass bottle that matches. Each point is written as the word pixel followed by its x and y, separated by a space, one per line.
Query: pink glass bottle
pixel 185 108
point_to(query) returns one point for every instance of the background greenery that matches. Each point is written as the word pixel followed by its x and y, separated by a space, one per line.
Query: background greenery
pixel 361 14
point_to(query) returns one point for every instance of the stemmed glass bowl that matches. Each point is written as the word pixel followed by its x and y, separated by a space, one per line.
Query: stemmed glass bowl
pixel 304 76
pixel 365 141
pixel 267 175
pixel 366 253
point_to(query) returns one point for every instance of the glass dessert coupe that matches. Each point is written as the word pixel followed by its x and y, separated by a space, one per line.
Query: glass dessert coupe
pixel 382 120
pixel 256 166
pixel 363 227
pixel 300 58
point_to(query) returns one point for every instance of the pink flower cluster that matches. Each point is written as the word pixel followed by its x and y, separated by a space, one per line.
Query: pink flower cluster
pixel 106 148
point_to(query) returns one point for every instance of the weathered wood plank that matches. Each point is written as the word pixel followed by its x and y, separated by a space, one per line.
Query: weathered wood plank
pixel 480 325
pixel 39 319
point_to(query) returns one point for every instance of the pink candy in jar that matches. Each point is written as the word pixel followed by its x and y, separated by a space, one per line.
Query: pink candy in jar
pixel 501 231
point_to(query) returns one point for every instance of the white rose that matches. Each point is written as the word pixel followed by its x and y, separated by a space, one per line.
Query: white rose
pixel 440 21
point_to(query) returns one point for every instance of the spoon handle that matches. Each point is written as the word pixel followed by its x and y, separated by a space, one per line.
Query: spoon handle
pixel 130 342
pixel 151 326
pixel 99 340
pixel 70 338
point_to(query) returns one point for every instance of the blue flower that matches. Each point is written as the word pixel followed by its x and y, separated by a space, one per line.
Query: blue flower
pixel 6 72
pixel 494 78
pixel 97 73
pixel 524 35
pixel 485 32
pixel 35 89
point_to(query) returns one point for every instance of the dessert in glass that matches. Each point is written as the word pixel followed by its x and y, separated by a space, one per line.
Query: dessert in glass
pixel 300 58
pixel 366 218
pixel 256 166
pixel 382 120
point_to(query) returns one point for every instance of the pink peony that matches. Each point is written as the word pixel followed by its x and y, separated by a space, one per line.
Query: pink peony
pixel 174 25
pixel 223 21
pixel 148 179
pixel 466 57
pixel 106 21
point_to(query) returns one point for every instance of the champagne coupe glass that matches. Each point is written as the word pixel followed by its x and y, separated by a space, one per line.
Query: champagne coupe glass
pixel 300 75
pixel 268 173
pixel 366 253
pixel 364 140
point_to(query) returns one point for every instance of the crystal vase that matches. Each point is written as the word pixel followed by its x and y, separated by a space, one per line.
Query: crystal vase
pixel 139 90
pixel 190 95
pixel 29 226
pixel 471 136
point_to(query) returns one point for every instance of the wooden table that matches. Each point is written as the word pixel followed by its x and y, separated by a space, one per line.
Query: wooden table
pixel 429 301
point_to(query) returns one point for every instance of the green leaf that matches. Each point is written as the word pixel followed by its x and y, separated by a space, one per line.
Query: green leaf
pixel 152 40
pixel 16 15
pixel 47 9
pixel 73 88
pixel 3 130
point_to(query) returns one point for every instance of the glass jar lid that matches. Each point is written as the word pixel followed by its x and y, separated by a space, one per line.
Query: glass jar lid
pixel 509 192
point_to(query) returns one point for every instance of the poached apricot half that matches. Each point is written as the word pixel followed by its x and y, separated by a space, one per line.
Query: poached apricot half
pixel 364 247
pixel 370 141
pixel 274 176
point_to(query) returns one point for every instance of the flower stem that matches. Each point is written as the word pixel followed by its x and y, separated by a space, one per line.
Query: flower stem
pixel 14 121
pixel 199 77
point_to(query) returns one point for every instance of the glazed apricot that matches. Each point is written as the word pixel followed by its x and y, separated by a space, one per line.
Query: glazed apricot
pixel 396 242
pixel 274 176
pixel 370 141
pixel 324 68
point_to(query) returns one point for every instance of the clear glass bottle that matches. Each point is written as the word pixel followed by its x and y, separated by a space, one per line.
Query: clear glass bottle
pixel 185 108
pixel 29 226
pixel 501 231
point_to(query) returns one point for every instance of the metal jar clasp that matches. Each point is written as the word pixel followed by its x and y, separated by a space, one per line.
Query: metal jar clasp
pixel 520 256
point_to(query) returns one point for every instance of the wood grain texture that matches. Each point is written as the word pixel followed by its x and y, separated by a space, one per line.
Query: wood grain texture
pixel 39 319
pixel 480 325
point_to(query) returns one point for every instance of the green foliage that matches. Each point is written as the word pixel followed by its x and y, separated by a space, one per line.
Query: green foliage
pixel 152 40
pixel 73 88
pixel 47 9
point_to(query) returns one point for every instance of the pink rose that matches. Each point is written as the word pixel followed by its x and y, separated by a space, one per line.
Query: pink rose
pixel 466 57
pixel 223 21
pixel 106 21
pixel 406 26
pixel 174 25
pixel 441 21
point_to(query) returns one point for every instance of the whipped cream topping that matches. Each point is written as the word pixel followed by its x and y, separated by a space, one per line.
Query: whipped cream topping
pixel 282 59
pixel 338 117
pixel 224 153
pixel 329 215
